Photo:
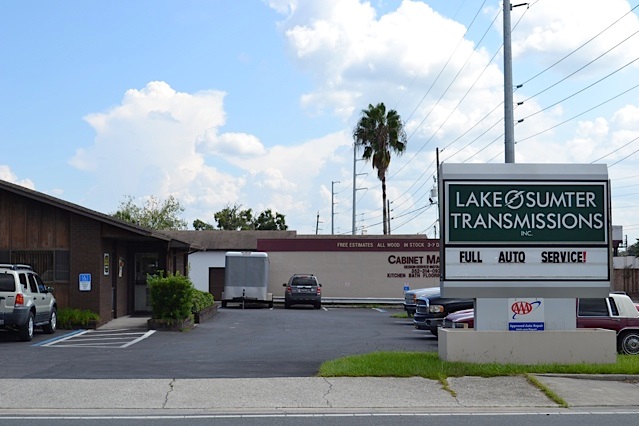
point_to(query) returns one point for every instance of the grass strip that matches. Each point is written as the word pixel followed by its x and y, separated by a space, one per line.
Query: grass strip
pixel 429 366
pixel 546 390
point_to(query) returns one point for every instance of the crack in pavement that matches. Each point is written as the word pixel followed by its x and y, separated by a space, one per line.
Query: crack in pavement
pixel 166 397
pixel 330 388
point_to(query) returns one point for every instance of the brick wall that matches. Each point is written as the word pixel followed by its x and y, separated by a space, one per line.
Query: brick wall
pixel 86 258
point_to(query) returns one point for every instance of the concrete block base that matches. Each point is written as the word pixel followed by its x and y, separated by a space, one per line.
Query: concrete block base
pixel 589 346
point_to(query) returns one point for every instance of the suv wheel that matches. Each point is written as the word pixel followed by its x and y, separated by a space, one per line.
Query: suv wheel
pixel 25 333
pixel 53 323
pixel 318 305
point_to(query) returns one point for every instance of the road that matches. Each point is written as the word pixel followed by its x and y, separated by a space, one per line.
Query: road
pixel 505 419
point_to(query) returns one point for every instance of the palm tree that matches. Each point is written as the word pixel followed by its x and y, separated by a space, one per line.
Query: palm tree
pixel 380 133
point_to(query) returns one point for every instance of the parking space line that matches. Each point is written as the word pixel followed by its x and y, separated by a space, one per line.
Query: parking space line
pixel 58 338
pixel 65 338
pixel 101 339
pixel 144 336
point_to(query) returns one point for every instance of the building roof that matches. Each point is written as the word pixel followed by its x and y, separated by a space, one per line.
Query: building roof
pixel 247 240
pixel 92 214
pixel 228 240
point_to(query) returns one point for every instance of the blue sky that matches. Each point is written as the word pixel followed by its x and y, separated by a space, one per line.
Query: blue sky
pixel 253 102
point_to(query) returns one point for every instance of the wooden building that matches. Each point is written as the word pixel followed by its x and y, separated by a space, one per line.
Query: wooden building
pixel 92 260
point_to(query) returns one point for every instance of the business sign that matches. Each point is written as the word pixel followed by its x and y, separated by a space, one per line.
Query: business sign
pixel 527 212
pixel 526 315
pixel 525 263
pixel 525 230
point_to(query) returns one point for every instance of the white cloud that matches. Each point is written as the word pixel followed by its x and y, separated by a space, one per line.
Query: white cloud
pixel 551 30
pixel 233 144
pixel 162 142
pixel 7 175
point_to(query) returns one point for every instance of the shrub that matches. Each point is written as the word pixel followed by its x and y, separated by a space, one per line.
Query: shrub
pixel 69 318
pixel 201 300
pixel 171 296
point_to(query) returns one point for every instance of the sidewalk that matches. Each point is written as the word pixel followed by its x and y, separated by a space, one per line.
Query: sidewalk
pixel 313 395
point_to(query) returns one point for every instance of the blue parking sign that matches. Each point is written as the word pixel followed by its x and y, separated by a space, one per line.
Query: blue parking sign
pixel 85 282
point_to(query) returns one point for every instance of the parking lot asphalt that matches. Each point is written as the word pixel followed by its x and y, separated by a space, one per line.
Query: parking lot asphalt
pixel 315 394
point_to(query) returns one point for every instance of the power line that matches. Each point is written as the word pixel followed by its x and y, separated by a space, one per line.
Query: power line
pixel 577 49
pixel 579 91
pixel 580 114
pixel 610 153
pixel 629 155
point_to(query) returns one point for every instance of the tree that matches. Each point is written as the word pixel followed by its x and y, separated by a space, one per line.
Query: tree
pixel 233 218
pixel 380 133
pixel 633 249
pixel 266 221
pixel 153 214
pixel 199 225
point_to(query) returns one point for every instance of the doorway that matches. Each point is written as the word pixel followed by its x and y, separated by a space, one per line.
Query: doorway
pixel 145 264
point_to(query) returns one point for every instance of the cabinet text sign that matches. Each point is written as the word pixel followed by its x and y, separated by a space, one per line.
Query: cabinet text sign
pixel 526 212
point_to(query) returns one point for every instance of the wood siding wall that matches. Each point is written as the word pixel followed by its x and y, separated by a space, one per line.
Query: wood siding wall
pixel 28 224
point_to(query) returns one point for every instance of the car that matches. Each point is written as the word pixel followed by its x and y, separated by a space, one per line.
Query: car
pixel 431 311
pixel 25 302
pixel 303 289
pixel 411 296
pixel 616 312
pixel 460 319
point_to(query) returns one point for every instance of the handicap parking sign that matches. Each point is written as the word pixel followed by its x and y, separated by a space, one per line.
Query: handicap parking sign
pixel 85 282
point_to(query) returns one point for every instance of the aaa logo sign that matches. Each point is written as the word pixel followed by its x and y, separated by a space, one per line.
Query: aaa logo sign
pixel 526 315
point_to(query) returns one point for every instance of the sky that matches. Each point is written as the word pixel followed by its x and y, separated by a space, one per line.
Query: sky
pixel 253 103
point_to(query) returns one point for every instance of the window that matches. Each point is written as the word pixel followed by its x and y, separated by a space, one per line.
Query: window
pixel 51 265
pixel 613 307
pixel 33 284
pixel 592 308
pixel 7 283
pixel 23 280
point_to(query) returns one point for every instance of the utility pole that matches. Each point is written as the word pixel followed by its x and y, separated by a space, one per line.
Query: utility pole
pixel 509 116
pixel 333 206
pixel 355 188
pixel 354 182
pixel 509 120
pixel 388 215
pixel 317 224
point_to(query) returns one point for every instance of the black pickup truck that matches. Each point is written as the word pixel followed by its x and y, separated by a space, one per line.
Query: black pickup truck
pixel 431 311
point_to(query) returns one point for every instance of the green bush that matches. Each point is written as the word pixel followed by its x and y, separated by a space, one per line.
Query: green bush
pixel 201 300
pixel 69 318
pixel 171 296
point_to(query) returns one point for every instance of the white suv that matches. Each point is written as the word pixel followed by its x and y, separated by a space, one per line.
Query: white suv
pixel 25 302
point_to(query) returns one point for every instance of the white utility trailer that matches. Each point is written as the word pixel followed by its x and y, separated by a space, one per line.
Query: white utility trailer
pixel 246 278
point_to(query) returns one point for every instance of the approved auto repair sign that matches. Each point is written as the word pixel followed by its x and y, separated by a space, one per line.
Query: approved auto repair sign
pixel 523 227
